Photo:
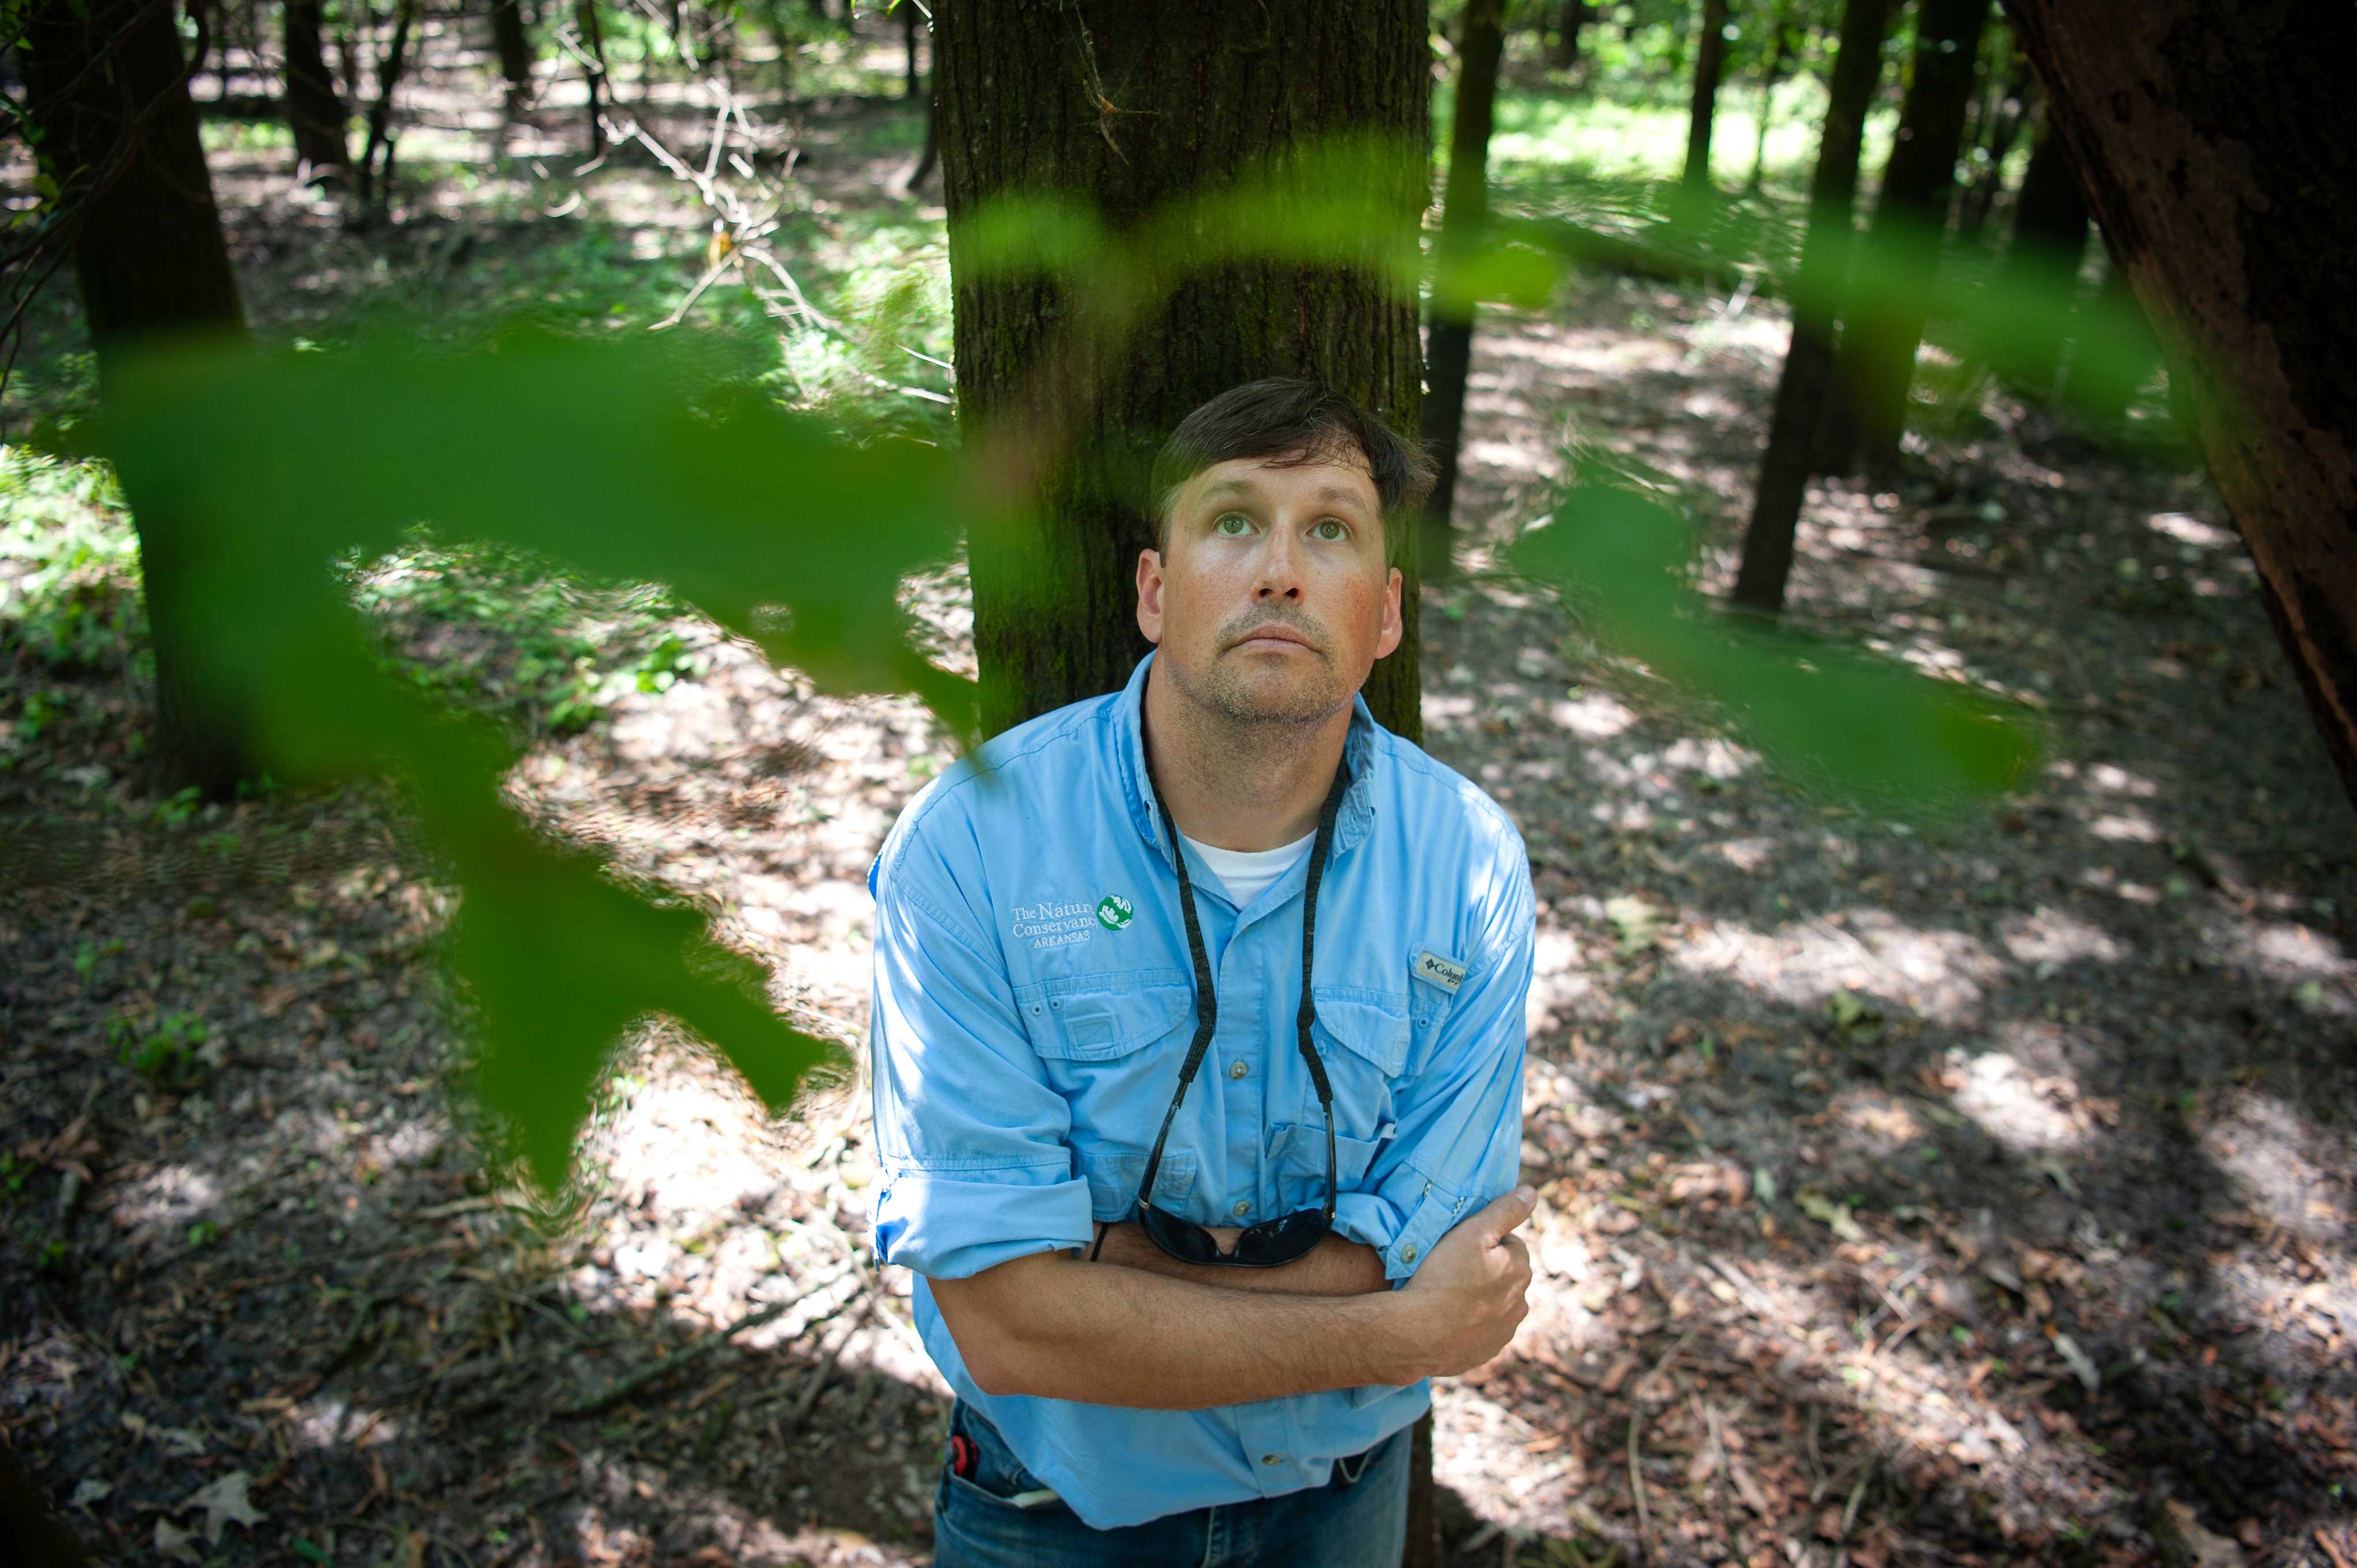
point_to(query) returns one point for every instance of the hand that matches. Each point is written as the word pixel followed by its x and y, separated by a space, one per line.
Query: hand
pixel 1467 1299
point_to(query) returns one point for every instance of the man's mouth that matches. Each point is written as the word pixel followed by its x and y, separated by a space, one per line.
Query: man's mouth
pixel 1270 638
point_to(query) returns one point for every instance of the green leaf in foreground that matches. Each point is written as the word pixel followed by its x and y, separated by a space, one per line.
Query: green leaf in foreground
pixel 627 461
pixel 1845 723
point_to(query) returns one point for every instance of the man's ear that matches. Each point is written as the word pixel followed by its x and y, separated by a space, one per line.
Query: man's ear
pixel 1149 595
pixel 1393 628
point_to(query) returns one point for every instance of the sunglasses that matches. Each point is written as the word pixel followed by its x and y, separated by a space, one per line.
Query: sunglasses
pixel 1272 1243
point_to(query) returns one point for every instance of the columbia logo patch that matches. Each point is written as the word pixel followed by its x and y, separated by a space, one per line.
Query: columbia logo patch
pixel 1446 973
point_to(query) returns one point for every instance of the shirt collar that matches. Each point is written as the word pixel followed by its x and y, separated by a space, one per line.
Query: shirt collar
pixel 1351 823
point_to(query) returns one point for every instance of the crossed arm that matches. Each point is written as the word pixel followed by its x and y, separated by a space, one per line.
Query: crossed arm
pixel 1163 1334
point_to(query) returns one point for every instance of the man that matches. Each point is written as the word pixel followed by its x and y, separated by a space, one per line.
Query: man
pixel 1158 1202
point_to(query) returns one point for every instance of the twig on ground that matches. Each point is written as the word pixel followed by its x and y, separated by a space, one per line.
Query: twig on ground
pixel 824 1373
pixel 616 1392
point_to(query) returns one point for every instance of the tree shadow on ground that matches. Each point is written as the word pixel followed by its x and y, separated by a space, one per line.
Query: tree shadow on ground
pixel 2006 1160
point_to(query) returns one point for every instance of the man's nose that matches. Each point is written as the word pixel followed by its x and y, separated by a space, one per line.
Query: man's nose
pixel 1280 567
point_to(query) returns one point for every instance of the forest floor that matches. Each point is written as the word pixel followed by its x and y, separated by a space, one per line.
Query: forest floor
pixel 1975 1193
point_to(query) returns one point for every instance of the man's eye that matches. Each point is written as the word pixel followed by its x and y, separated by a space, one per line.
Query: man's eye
pixel 1331 529
pixel 1232 524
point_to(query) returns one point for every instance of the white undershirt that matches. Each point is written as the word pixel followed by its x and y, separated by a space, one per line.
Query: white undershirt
pixel 1245 871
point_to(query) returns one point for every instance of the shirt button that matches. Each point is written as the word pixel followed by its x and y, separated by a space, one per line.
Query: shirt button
pixel 1242 1208
pixel 1238 1070
pixel 1407 1254
pixel 1272 1459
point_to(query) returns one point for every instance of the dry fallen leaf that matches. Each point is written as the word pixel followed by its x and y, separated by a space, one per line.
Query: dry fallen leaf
pixel 2202 1548
pixel 172 1544
pixel 225 1503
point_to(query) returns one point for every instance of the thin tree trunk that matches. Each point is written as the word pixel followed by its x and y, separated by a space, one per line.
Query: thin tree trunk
pixel 314 113
pixel 593 41
pixel 1710 58
pixel 108 87
pixel 2213 140
pixel 514 46
pixel 932 152
pixel 2000 126
pixel 1465 212
pixel 908 42
pixel 2040 270
pixel 1778 61
pixel 1866 411
pixel 1127 108
pixel 1816 300
pixel 376 154
pixel 1576 16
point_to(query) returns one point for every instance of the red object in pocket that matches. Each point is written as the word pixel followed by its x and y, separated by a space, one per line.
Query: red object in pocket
pixel 961 1454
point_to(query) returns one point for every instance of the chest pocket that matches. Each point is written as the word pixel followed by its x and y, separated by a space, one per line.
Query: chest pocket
pixel 1111 1045
pixel 1363 1037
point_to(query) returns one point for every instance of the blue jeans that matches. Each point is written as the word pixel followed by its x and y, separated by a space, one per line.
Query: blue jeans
pixel 1358 1519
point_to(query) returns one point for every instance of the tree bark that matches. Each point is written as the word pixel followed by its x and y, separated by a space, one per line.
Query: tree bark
pixel 314 113
pixel 514 46
pixel 1867 411
pixel 108 87
pixel 1710 58
pixel 2216 142
pixel 1816 297
pixel 2041 268
pixel 1126 108
pixel 1465 212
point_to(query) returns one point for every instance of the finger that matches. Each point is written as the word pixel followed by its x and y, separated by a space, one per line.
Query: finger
pixel 1506 1213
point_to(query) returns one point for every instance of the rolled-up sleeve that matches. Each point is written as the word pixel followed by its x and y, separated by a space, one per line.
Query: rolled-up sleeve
pixel 976 1168
pixel 1458 1146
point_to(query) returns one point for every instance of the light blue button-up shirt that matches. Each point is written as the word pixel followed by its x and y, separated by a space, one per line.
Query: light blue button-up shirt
pixel 1033 1003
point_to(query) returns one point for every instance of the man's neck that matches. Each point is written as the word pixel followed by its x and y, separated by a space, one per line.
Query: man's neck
pixel 1237 785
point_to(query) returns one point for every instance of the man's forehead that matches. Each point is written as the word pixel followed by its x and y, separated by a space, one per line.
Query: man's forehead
pixel 1341 477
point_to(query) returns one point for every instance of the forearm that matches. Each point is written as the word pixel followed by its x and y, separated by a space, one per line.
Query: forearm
pixel 1056 1328
pixel 1334 1267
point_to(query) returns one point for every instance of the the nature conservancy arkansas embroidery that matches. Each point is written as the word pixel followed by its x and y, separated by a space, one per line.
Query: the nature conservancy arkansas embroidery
pixel 1061 925
pixel 1446 973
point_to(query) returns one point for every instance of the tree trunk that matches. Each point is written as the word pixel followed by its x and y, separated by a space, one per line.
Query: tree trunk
pixel 593 41
pixel 2112 353
pixel 2214 140
pixel 1816 298
pixel 1710 57
pixel 108 87
pixel 1448 353
pixel 376 153
pixel 1867 411
pixel 1576 16
pixel 1127 107
pixel 1779 60
pixel 1999 126
pixel 2040 270
pixel 908 42
pixel 930 154
pixel 314 113
pixel 514 46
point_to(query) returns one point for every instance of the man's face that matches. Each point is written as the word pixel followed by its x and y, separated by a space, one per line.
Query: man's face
pixel 1272 599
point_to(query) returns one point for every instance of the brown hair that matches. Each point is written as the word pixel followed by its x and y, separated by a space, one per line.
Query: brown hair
pixel 1290 421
